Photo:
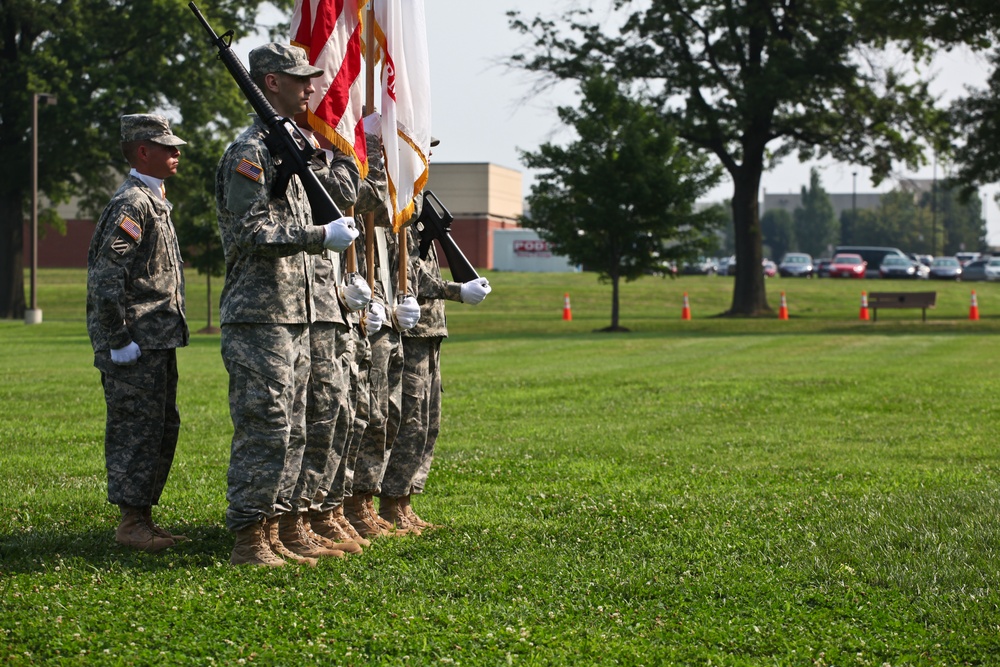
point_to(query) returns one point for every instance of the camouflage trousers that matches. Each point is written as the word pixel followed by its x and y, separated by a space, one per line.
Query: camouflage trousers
pixel 413 449
pixel 385 385
pixel 328 411
pixel 268 367
pixel 140 433
pixel 343 480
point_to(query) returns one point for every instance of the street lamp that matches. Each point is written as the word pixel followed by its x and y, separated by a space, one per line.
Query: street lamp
pixel 33 315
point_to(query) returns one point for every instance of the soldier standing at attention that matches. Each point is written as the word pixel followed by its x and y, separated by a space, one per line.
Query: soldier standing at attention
pixel 136 322
pixel 412 451
pixel 266 309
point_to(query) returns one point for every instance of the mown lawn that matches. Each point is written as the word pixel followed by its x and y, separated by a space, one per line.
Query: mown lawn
pixel 818 491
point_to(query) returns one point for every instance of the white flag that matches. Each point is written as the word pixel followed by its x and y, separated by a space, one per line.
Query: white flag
pixel 401 34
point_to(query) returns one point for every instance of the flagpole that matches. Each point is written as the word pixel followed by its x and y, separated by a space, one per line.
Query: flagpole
pixel 369 109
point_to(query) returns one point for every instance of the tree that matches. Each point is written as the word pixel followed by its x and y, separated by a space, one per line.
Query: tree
pixel 103 59
pixel 753 81
pixel 778 232
pixel 620 199
pixel 816 226
pixel 958 218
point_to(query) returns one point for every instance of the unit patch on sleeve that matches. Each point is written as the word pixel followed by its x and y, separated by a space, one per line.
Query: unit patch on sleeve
pixel 250 169
pixel 131 227
pixel 120 245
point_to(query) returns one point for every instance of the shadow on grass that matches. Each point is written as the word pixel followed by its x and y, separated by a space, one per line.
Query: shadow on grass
pixel 40 551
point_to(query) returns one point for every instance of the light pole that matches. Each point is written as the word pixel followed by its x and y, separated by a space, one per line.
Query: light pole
pixel 854 206
pixel 33 315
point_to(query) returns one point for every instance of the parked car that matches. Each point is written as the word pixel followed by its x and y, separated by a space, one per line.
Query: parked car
pixel 703 266
pixel 727 265
pixel 975 270
pixel 923 259
pixel 847 266
pixel 894 266
pixel 796 265
pixel 966 257
pixel 770 268
pixel 873 255
pixel 823 267
pixel 993 269
pixel 946 268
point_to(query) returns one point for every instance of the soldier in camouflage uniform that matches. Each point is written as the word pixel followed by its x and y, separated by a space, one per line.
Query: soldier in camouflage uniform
pixel 136 322
pixel 385 377
pixel 328 413
pixel 378 413
pixel 266 309
pixel 412 451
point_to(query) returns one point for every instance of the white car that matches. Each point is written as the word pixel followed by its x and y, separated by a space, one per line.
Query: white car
pixel 992 269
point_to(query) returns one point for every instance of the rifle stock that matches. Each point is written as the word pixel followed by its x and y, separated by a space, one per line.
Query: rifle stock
pixel 433 224
pixel 292 154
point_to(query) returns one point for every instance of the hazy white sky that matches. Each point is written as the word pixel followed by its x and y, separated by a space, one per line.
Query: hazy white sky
pixel 482 111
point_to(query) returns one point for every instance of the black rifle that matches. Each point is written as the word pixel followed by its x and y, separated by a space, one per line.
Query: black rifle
pixel 292 154
pixel 434 224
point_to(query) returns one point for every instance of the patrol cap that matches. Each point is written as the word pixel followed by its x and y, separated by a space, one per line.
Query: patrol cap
pixel 283 58
pixel 435 141
pixel 149 127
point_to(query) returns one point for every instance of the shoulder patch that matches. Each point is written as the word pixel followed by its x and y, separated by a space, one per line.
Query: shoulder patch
pixel 251 170
pixel 120 245
pixel 131 227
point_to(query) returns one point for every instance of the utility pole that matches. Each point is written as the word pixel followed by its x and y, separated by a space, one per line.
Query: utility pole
pixel 33 315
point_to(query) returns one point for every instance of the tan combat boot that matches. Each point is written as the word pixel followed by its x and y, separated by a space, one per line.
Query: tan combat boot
pixel 134 532
pixel 392 512
pixel 363 521
pixel 338 516
pixel 424 526
pixel 294 536
pixel 147 514
pixel 252 547
pixel 324 525
pixel 387 527
pixel 280 549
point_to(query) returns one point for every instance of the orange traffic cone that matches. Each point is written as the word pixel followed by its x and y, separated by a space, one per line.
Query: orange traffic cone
pixel 686 310
pixel 783 310
pixel 567 312
pixel 974 307
pixel 864 307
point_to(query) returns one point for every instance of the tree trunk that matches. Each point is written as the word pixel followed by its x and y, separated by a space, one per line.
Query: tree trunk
pixel 749 294
pixel 12 303
pixel 615 279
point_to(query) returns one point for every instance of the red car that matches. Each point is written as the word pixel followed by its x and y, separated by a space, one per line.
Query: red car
pixel 847 266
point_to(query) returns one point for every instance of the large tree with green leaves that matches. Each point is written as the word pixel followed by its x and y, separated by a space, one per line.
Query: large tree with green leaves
pixel 103 59
pixel 620 198
pixel 754 81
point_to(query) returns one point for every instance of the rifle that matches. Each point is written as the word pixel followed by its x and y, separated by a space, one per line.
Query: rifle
pixel 436 225
pixel 292 153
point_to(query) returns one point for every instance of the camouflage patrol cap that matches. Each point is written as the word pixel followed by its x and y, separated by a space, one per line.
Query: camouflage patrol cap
pixel 149 127
pixel 283 58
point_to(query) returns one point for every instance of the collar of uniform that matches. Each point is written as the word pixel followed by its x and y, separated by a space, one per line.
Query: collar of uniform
pixel 154 184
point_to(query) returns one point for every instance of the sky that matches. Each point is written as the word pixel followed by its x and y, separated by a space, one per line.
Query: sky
pixel 483 111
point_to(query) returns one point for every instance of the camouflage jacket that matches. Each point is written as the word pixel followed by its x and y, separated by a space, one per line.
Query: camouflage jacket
pixel 267 238
pixel 341 179
pixel 135 278
pixel 425 281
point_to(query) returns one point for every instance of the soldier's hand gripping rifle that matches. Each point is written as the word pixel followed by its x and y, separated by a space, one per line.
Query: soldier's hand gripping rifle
pixel 434 224
pixel 292 153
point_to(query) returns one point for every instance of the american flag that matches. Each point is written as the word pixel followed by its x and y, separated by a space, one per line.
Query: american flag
pixel 130 227
pixel 252 171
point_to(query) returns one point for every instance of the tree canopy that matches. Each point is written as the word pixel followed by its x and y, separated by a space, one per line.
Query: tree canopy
pixel 620 199
pixel 754 81
pixel 103 59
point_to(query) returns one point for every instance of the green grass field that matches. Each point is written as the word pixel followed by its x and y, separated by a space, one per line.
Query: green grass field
pixel 817 491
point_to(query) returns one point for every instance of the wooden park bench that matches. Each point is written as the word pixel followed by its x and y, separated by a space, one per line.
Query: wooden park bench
pixel 922 300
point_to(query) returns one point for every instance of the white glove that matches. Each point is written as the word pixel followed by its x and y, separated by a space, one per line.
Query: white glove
pixel 406 314
pixel 340 234
pixel 355 294
pixel 375 318
pixel 126 356
pixel 474 291
pixel 373 124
